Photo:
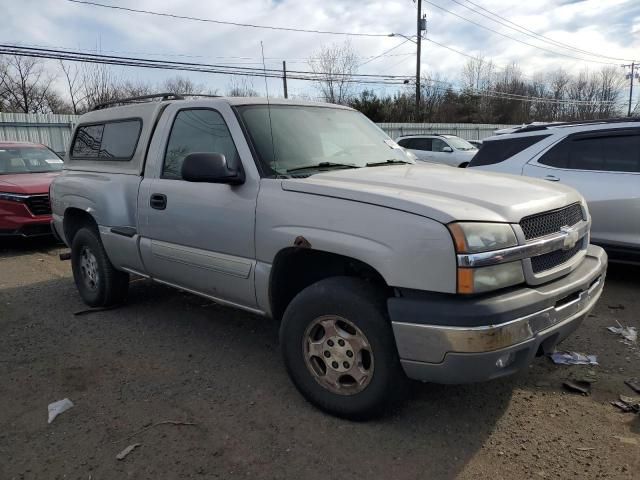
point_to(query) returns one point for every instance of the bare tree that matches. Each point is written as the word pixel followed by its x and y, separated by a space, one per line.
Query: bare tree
pixel 334 67
pixel 24 84
pixel 74 86
pixel 100 84
pixel 241 87
pixel 180 85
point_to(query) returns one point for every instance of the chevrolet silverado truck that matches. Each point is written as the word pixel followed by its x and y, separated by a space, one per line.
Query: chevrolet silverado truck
pixel 378 269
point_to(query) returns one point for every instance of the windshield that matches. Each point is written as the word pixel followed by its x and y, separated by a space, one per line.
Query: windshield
pixel 323 137
pixel 17 159
pixel 460 144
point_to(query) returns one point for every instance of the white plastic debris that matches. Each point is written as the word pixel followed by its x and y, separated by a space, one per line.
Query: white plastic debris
pixel 573 358
pixel 123 454
pixel 56 408
pixel 628 333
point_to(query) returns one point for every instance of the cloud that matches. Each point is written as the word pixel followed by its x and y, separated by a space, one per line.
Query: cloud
pixel 592 25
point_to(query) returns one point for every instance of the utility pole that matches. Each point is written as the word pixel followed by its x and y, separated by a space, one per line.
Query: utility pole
pixel 418 57
pixel 631 76
pixel 284 78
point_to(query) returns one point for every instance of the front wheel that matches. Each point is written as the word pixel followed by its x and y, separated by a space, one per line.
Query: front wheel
pixel 99 283
pixel 339 348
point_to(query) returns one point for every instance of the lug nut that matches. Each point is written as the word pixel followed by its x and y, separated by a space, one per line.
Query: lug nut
pixel 341 342
pixel 335 365
pixel 330 343
pixel 345 364
pixel 327 353
pixel 349 353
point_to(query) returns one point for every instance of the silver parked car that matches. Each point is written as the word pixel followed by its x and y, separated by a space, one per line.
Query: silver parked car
pixel 601 159
pixel 447 149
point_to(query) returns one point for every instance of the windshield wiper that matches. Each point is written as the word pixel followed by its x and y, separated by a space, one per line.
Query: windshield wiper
pixel 322 165
pixel 387 162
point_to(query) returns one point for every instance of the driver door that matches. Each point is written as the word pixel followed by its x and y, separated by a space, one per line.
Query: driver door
pixel 198 236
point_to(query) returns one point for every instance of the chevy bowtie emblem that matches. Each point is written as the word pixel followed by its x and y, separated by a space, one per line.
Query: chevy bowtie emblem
pixel 571 237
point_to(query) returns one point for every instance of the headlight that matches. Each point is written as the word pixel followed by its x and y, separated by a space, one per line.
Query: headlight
pixel 470 238
pixel 473 237
pixel 13 197
pixel 485 279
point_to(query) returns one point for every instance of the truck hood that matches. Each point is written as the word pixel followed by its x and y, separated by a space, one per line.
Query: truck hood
pixel 27 183
pixel 442 193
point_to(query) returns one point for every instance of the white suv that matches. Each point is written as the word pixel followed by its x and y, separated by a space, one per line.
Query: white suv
pixel 601 159
pixel 448 149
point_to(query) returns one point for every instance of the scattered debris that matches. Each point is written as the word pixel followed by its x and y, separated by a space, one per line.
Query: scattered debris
pixel 153 425
pixel 123 454
pixel 616 307
pixel 65 256
pixel 573 358
pixel 578 386
pixel 628 333
pixel 628 440
pixel 634 384
pixel 56 408
pixel 95 310
pixel 627 404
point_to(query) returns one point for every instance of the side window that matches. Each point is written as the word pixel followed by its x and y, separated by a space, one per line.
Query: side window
pixel 438 145
pixel 421 144
pixel 197 130
pixel 498 150
pixel 87 142
pixel 613 153
pixel 405 142
pixel 107 141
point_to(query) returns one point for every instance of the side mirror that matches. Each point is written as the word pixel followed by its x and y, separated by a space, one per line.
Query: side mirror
pixel 447 149
pixel 210 168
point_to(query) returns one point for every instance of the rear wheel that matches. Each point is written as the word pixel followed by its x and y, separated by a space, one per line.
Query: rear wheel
pixel 339 348
pixel 99 283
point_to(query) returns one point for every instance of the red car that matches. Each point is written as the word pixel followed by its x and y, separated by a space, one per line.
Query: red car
pixel 26 172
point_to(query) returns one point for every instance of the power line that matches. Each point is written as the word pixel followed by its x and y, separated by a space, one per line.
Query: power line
pixel 384 53
pixel 533 34
pixel 222 22
pixel 510 37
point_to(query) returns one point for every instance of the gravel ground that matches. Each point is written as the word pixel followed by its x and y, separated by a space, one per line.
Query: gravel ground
pixel 171 356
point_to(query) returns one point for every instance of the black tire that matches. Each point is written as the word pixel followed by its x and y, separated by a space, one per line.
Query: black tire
pixel 463 165
pixel 365 307
pixel 110 286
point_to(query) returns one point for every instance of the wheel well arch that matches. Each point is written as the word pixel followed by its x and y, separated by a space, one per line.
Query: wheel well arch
pixel 74 220
pixel 296 268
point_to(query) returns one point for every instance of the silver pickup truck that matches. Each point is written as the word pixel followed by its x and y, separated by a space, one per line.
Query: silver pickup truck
pixel 378 269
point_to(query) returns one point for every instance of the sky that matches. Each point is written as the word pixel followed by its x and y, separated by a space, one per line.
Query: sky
pixel 604 28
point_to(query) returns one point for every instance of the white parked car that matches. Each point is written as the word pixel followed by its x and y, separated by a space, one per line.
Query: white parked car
pixel 601 159
pixel 447 149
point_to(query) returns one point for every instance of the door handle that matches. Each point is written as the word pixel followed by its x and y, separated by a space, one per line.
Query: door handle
pixel 552 178
pixel 158 201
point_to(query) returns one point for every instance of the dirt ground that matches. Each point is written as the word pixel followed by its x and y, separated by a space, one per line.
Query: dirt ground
pixel 167 355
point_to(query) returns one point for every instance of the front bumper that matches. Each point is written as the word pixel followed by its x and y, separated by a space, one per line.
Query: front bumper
pixel 17 221
pixel 453 339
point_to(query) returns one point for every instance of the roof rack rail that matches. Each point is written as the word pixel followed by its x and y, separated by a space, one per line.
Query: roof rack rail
pixel 544 126
pixel 138 99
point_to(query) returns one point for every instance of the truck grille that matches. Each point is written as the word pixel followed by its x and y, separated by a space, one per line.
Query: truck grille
pixel 553 259
pixel 39 205
pixel 546 223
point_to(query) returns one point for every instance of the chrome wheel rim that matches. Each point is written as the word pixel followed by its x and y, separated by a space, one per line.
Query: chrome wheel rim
pixel 89 268
pixel 338 355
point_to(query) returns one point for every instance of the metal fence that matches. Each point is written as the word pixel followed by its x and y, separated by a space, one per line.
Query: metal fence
pixel 468 131
pixel 54 130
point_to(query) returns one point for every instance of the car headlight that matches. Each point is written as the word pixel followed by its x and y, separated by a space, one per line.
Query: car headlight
pixel 13 197
pixel 472 237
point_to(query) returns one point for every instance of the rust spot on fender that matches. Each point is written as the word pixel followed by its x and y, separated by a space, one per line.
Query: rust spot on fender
pixel 301 242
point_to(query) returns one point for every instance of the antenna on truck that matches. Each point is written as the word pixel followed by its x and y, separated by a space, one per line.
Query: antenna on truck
pixel 266 86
